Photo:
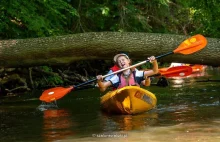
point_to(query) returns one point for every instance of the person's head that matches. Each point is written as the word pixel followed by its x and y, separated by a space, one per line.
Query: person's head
pixel 122 60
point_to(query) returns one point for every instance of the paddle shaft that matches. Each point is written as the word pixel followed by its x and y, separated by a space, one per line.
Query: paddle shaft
pixel 121 70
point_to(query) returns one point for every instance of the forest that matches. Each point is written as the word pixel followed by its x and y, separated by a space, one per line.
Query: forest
pixel 46 18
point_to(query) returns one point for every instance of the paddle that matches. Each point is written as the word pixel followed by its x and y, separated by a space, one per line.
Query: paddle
pixel 178 71
pixel 188 46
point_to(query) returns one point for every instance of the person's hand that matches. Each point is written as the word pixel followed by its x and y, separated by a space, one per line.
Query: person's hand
pixel 152 59
pixel 99 78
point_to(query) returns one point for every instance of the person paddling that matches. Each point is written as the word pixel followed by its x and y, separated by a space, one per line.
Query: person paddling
pixel 115 68
pixel 129 77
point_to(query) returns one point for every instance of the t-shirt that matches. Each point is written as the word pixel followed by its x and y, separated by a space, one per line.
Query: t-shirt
pixel 109 77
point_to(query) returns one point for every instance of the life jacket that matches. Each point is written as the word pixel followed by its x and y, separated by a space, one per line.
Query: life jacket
pixel 114 68
pixel 130 81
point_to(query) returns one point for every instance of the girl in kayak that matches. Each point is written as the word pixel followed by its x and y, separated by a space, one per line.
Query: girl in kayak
pixel 115 68
pixel 129 77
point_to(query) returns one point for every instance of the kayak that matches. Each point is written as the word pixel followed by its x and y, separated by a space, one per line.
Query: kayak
pixel 198 68
pixel 128 100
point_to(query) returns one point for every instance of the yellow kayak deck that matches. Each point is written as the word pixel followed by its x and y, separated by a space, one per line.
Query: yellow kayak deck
pixel 128 100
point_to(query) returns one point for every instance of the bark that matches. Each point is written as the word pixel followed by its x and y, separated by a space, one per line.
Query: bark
pixel 64 50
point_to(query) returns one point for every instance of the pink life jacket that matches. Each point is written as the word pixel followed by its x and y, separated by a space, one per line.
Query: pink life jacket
pixel 130 81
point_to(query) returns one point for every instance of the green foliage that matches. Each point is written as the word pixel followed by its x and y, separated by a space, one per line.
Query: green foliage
pixel 206 17
pixel 46 68
pixel 49 80
pixel 25 18
pixel 146 66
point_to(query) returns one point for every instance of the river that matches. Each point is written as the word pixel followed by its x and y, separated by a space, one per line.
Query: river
pixel 187 110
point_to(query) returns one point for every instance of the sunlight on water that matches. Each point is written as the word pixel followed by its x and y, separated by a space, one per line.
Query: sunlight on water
pixel 190 132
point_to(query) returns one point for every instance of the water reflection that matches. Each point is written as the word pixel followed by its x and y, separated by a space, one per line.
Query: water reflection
pixel 129 122
pixel 178 113
pixel 57 124
pixel 177 82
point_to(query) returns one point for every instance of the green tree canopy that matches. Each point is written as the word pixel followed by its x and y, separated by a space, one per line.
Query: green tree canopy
pixel 39 18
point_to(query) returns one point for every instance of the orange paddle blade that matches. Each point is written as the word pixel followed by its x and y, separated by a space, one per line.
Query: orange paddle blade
pixel 191 45
pixel 54 94
pixel 179 71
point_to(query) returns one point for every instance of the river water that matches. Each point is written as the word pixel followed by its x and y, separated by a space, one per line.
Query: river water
pixel 187 110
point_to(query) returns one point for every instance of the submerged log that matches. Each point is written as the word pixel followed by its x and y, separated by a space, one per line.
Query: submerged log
pixel 63 50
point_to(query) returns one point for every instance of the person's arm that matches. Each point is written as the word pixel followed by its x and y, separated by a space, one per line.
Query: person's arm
pixel 147 81
pixel 155 67
pixel 102 85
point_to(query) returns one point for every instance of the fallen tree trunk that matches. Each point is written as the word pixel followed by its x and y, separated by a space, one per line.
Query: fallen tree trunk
pixel 63 50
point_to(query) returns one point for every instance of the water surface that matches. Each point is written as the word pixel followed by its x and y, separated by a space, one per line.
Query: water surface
pixel 187 110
